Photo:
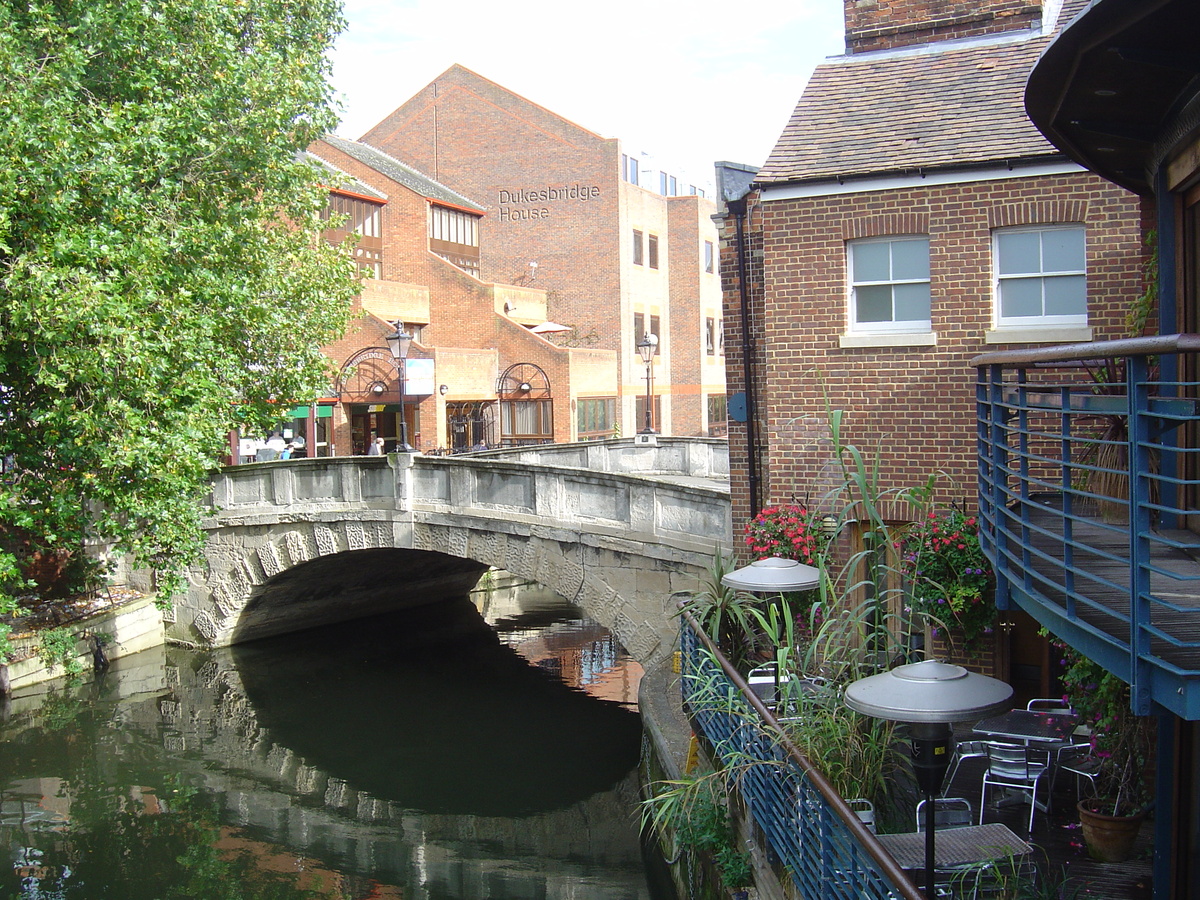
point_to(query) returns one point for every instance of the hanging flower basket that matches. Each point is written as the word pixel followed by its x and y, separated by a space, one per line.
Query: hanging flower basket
pixel 950 580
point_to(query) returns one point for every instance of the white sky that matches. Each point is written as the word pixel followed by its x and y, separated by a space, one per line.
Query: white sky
pixel 689 81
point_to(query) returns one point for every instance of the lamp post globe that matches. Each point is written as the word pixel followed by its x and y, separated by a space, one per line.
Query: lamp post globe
pixel 646 348
pixel 399 342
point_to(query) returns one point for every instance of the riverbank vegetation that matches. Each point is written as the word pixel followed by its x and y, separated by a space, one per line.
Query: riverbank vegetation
pixel 163 275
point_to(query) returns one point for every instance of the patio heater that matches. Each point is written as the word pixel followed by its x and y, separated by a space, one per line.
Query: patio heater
pixel 929 696
pixel 647 347
pixel 399 343
pixel 773 575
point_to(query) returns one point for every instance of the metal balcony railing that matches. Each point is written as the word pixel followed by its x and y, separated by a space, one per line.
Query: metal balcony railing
pixel 821 843
pixel 1089 481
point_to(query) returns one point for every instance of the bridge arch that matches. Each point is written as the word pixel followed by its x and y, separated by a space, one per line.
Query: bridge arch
pixel 615 544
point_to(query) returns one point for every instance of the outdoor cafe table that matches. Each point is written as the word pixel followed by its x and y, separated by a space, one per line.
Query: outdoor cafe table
pixel 1027 725
pixel 955 847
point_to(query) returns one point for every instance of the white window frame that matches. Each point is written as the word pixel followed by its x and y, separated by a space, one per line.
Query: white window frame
pixel 902 326
pixel 1045 321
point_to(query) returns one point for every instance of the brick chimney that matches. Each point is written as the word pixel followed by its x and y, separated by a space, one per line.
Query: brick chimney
pixel 884 24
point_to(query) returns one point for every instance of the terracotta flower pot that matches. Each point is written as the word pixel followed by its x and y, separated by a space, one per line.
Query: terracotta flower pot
pixel 1109 838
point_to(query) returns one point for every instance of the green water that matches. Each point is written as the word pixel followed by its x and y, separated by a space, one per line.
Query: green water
pixel 417 755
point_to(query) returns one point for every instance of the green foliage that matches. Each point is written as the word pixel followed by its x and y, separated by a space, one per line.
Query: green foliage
pixel 57 648
pixel 11 584
pixel 858 755
pixel 1146 304
pixel 163 278
pixel 694 810
pixel 1122 741
pixel 726 615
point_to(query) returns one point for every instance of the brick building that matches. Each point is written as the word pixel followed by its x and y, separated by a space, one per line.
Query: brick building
pixel 478 370
pixel 909 218
pixel 619 247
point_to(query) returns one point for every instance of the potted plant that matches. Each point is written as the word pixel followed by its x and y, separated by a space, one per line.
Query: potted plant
pixel 1122 745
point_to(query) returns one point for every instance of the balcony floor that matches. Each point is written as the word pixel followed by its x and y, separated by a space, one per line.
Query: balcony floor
pixel 1106 581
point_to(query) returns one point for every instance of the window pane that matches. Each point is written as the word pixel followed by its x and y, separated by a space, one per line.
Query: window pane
pixel 910 260
pixel 1021 297
pixel 1066 295
pixel 873 303
pixel 912 302
pixel 871 262
pixel 1063 250
pixel 1020 252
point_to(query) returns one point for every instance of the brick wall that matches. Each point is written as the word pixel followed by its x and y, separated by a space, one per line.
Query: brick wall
pixel 913 406
pixel 884 24
pixel 555 196
pixel 461 315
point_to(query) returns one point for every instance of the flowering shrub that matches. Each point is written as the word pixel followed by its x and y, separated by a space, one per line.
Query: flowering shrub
pixel 785 531
pixel 949 576
pixel 1121 740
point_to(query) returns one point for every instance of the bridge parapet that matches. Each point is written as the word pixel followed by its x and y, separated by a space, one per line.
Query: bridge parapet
pixel 692 457
pixel 616 544
pixel 645 510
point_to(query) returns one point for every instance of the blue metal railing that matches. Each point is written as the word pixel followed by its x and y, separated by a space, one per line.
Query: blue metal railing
pixel 820 841
pixel 1089 481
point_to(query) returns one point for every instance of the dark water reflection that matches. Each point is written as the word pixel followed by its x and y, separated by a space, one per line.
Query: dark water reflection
pixel 428 709
pixel 418 755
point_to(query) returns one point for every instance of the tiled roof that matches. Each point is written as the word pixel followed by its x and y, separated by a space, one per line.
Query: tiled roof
pixel 342 180
pixel 941 106
pixel 401 173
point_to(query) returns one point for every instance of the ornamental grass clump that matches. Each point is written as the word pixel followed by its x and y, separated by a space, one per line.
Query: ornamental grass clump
pixel 950 579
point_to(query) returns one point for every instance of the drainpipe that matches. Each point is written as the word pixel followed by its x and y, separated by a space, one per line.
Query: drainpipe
pixel 738 208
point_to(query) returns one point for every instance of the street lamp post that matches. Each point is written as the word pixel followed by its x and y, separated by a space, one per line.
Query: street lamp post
pixel 647 347
pixel 399 343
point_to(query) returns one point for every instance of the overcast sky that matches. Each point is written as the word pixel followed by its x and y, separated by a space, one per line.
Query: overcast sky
pixel 690 82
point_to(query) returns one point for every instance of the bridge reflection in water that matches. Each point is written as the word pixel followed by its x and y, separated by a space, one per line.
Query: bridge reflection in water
pixel 422 754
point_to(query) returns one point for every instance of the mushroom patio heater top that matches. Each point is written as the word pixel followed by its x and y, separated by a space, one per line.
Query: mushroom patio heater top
pixel 773 575
pixel 929 695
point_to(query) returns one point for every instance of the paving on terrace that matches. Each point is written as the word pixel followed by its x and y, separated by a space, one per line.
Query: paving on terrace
pixel 1058 841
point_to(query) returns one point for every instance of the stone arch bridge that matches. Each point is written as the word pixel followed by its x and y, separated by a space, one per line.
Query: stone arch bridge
pixel 613 526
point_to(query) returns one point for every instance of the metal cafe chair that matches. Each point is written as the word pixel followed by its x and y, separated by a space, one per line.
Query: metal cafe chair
pixel 1081 761
pixel 865 810
pixel 1069 748
pixel 1015 767
pixel 963 750
pixel 1048 705
pixel 948 812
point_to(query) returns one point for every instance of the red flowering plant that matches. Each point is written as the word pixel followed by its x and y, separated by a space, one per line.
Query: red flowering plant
pixel 787 531
pixel 790 531
pixel 949 578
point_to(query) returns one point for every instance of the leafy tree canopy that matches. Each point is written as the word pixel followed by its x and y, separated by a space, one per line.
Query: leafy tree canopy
pixel 162 274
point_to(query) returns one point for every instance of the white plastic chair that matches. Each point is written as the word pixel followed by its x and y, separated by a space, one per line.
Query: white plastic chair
pixel 1015 767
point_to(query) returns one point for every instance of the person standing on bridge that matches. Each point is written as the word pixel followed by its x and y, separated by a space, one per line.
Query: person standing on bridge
pixel 375 448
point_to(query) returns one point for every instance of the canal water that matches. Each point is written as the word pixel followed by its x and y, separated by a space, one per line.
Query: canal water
pixel 474 748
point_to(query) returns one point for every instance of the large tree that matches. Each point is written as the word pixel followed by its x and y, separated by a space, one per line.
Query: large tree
pixel 161 273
